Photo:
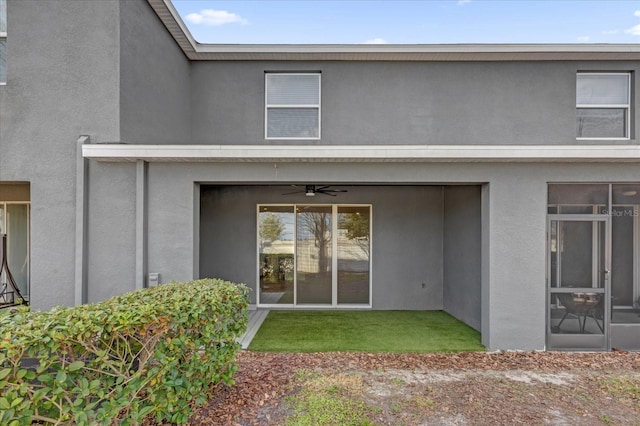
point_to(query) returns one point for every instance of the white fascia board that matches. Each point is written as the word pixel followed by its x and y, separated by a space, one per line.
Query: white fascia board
pixel 416 48
pixel 362 153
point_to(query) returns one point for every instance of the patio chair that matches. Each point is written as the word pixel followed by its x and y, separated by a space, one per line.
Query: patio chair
pixel 582 306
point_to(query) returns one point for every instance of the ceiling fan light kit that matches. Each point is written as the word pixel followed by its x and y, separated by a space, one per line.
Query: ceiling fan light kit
pixel 312 190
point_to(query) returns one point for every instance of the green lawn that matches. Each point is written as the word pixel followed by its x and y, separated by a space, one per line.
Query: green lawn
pixel 364 331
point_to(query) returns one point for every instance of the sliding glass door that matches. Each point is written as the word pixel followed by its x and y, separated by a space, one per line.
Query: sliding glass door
pixel 314 225
pixel 314 255
pixel 14 221
pixel 353 251
pixel 276 254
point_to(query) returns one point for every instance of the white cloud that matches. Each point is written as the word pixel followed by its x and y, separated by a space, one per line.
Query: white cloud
pixel 377 40
pixel 215 18
pixel 461 2
pixel 583 39
pixel 633 30
pixel 636 13
pixel 610 32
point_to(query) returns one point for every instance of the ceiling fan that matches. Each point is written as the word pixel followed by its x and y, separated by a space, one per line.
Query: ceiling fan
pixel 312 190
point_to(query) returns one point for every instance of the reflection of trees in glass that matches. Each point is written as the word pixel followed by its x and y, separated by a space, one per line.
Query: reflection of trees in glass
pixel 271 227
pixel 357 228
pixel 318 225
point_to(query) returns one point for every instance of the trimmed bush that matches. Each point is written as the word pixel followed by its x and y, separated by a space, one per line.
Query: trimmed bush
pixel 154 352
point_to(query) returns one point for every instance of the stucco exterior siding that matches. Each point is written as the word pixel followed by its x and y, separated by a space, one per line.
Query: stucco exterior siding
pixel 406 239
pixel 513 252
pixel 462 252
pixel 453 147
pixel 404 103
pixel 45 106
pixel 155 102
pixel 111 240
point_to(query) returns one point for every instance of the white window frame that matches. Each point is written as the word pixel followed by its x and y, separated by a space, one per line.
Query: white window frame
pixel 626 107
pixel 267 106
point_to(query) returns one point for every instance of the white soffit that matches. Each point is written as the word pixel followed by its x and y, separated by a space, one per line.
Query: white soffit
pixel 389 52
pixel 361 153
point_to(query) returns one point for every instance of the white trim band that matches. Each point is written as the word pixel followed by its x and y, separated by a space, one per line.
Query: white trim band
pixel 362 153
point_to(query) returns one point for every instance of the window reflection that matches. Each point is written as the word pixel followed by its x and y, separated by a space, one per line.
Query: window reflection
pixel 276 254
pixel 314 254
pixel 354 245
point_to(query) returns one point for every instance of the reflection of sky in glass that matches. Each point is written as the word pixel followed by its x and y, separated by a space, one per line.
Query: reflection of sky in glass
pixel 306 219
pixel 287 220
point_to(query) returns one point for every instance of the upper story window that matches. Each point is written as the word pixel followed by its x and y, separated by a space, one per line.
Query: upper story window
pixel 292 106
pixel 3 41
pixel 603 105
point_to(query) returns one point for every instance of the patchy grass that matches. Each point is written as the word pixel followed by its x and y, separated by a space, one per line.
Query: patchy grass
pixel 329 400
pixel 624 388
pixel 365 331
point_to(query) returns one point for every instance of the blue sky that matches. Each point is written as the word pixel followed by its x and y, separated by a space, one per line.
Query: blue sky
pixel 418 21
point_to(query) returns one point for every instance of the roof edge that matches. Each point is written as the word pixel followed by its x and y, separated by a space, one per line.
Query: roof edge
pixel 385 52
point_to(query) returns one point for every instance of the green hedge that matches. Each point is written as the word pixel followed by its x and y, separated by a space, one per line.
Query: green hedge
pixel 154 352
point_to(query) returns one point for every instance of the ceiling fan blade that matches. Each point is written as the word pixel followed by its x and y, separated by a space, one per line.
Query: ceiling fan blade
pixel 294 192
pixel 335 190
pixel 325 192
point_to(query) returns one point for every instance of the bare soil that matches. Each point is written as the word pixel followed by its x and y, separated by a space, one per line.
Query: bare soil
pixel 437 389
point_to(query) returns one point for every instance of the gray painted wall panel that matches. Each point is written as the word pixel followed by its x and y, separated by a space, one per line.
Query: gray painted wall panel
pixel 228 233
pixel 170 242
pixel 45 106
pixel 513 255
pixel 462 253
pixel 155 81
pixel 406 239
pixel 517 265
pixel 111 243
pixel 407 247
pixel 501 103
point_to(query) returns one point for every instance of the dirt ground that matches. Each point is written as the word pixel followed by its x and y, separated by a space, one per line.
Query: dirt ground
pixel 535 388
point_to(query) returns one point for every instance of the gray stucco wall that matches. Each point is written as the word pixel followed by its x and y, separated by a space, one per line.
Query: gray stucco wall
pixel 155 105
pixel 112 72
pixel 111 243
pixel 462 253
pixel 44 107
pixel 513 223
pixel 406 238
pixel 499 103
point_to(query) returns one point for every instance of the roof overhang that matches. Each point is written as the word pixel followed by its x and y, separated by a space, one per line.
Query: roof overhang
pixel 386 52
pixel 362 153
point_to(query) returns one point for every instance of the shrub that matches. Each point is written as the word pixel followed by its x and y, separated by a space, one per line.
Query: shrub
pixel 155 352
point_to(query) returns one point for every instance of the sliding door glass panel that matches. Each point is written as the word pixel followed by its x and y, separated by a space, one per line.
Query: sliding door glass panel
pixel 586 198
pixel 354 246
pixel 314 254
pixel 3 278
pixel 625 274
pixel 276 249
pixel 18 245
pixel 627 194
pixel 622 255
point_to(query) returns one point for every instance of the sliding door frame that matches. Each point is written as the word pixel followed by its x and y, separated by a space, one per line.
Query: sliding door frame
pixel 334 258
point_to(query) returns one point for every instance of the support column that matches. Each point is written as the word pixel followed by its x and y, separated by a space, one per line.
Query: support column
pixel 142 168
pixel 82 187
